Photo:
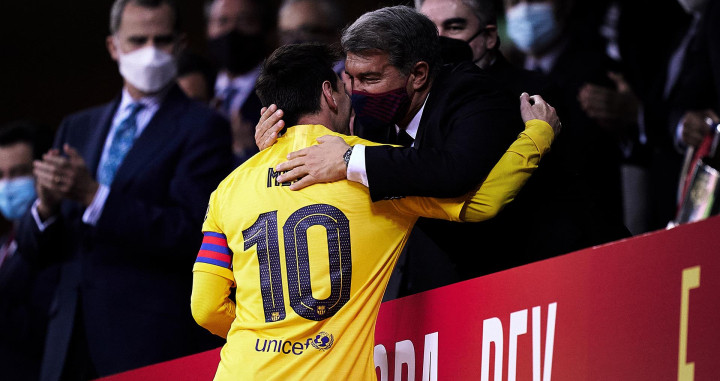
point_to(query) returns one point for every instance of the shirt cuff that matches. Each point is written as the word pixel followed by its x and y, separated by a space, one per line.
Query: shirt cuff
pixel 93 212
pixel 356 170
pixel 36 216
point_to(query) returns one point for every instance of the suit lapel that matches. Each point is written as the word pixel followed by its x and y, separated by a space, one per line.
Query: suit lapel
pixel 154 138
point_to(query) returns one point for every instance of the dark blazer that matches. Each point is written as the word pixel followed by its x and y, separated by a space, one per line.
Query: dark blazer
pixel 25 294
pixel 581 174
pixel 466 126
pixel 130 275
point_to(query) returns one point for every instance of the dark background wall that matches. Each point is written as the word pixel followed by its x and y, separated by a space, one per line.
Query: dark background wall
pixel 53 59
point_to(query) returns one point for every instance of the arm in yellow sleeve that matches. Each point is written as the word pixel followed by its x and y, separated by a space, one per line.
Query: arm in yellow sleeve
pixel 510 173
pixel 211 307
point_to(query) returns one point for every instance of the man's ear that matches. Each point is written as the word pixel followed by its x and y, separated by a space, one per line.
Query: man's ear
pixel 111 47
pixel 492 37
pixel 327 92
pixel 421 75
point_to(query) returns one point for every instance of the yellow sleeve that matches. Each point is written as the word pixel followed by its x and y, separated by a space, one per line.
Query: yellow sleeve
pixel 510 173
pixel 211 306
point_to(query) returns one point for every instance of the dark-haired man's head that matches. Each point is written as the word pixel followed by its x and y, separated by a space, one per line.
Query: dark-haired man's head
pixel 299 79
pixel 310 21
pixel 239 32
pixel 196 76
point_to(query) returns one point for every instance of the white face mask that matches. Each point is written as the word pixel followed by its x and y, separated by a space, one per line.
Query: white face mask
pixel 148 69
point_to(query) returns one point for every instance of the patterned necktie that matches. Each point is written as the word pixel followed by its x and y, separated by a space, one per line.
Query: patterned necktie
pixel 121 143
pixel 229 95
pixel 404 139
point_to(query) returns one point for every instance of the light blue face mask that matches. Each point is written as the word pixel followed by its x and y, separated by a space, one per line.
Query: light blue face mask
pixel 532 26
pixel 16 196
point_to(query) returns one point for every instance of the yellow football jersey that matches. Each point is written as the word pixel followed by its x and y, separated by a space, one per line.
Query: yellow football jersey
pixel 310 266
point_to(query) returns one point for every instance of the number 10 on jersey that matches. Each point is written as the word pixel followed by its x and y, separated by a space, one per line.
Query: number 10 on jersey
pixel 264 234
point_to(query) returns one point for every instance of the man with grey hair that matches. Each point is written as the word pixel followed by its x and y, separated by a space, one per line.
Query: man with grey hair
pixel 121 196
pixel 452 120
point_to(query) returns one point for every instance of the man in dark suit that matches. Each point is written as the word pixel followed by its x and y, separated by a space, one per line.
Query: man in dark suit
pixel 453 121
pixel 121 198
pixel 474 23
pixel 584 202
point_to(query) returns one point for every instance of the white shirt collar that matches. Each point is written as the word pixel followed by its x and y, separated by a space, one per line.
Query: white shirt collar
pixel 244 81
pixel 414 124
pixel 547 61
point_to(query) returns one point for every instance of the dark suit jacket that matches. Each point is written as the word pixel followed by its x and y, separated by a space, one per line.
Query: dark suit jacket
pixel 460 138
pixel 130 275
pixel 466 126
pixel 581 174
pixel 25 294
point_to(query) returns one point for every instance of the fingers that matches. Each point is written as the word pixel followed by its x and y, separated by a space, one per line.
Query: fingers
pixel 293 174
pixel 269 126
pixel 290 164
pixel 536 100
pixel 50 176
pixel 524 98
pixel 302 183
pixel 299 153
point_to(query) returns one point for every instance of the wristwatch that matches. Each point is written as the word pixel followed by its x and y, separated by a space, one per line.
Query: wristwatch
pixel 346 156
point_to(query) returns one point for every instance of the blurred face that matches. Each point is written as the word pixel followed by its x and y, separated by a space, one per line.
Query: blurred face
pixel 226 15
pixel 141 27
pixel 373 73
pixel 16 160
pixel 456 20
pixel 195 86
pixel 304 22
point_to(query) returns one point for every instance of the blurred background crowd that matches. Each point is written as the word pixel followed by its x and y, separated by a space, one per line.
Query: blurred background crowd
pixel 635 83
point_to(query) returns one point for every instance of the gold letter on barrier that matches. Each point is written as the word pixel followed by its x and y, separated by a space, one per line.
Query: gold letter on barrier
pixel 690 280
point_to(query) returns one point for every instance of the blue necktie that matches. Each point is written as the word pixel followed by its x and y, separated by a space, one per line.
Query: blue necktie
pixel 121 143
pixel 230 94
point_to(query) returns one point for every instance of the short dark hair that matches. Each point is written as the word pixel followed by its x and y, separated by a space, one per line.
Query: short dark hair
pixel 25 131
pixel 118 7
pixel 292 78
pixel 405 34
pixel 189 62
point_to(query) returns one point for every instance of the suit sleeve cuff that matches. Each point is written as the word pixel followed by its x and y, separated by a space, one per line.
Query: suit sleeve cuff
pixel 93 212
pixel 356 170
pixel 36 216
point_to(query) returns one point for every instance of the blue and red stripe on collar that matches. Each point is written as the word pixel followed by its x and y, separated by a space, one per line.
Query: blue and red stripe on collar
pixel 215 251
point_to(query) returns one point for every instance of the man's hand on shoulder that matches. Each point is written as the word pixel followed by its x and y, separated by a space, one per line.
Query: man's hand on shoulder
pixel 322 163
pixel 268 127
pixel 534 107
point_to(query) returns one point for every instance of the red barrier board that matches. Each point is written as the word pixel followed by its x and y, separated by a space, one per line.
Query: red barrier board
pixel 639 309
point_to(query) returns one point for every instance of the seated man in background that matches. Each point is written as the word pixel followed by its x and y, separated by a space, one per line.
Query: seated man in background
pixel 312 314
